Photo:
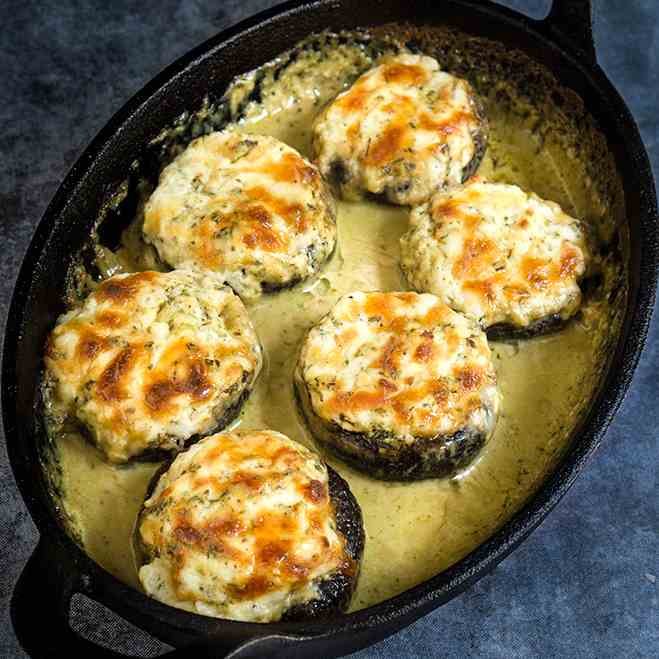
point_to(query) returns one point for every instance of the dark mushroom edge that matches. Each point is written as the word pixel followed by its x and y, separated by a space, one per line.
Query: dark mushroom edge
pixel 543 326
pixel 509 332
pixel 339 176
pixel 590 286
pixel 479 136
pixel 268 288
pixel 337 589
pixel 159 454
pixel 385 456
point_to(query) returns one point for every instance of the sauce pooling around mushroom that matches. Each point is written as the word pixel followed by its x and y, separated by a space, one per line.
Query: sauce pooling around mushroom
pixel 546 382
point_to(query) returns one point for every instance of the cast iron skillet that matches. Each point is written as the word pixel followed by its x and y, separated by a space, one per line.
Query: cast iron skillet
pixel 59 568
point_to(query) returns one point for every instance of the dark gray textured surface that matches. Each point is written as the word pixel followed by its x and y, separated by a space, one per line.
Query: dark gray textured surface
pixel 585 583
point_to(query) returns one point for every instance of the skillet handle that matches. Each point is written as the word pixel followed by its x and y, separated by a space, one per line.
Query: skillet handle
pixel 570 22
pixel 40 616
pixel 40 606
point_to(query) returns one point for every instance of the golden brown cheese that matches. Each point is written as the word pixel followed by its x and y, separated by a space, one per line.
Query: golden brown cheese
pixel 402 363
pixel 151 359
pixel 245 206
pixel 241 526
pixel 497 253
pixel 404 129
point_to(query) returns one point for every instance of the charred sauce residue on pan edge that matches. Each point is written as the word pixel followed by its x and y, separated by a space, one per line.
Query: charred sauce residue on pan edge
pixel 414 530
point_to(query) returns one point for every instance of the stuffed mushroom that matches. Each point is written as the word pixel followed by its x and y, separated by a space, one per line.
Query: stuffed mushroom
pixel 403 130
pixel 152 360
pixel 247 207
pixel 398 385
pixel 503 256
pixel 250 525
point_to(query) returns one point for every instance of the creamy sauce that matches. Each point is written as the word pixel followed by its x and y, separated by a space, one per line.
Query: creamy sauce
pixel 414 530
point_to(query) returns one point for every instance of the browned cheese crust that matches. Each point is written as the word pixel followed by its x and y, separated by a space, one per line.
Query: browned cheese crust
pixel 403 130
pixel 398 384
pixel 150 360
pixel 250 525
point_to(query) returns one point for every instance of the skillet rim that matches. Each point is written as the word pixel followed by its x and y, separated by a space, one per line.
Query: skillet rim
pixel 587 435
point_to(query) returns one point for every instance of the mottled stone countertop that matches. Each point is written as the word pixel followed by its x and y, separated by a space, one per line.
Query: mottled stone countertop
pixel 585 583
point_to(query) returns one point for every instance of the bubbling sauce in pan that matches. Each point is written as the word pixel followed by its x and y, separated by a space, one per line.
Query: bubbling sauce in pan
pixel 413 530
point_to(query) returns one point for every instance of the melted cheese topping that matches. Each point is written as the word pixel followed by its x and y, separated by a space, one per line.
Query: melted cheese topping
pixel 404 129
pixel 402 363
pixel 497 253
pixel 241 526
pixel 151 359
pixel 245 206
